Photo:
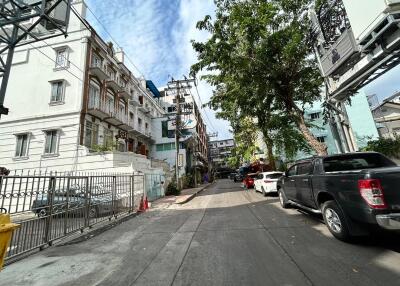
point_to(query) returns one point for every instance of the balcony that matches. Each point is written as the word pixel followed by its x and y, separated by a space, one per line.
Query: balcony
pixel 112 83
pixel 134 101
pixel 125 92
pixel 143 108
pixel 110 114
pixel 99 71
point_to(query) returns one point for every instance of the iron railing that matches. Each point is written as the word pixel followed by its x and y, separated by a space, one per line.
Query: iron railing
pixel 53 205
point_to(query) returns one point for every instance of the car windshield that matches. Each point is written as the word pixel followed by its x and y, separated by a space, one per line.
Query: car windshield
pixel 356 162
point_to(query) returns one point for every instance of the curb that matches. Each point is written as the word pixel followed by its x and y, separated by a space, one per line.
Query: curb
pixel 195 194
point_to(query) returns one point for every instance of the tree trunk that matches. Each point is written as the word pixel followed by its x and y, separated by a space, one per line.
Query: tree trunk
pixel 319 147
pixel 271 159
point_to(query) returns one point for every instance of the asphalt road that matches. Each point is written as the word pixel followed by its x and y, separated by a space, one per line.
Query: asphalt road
pixel 224 236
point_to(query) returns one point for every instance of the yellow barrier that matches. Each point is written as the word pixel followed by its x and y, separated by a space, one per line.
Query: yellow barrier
pixel 6 229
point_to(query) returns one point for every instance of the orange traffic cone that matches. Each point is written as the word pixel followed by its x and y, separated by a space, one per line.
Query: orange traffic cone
pixel 146 204
pixel 142 206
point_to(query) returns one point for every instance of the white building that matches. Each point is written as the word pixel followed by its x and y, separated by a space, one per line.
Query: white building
pixel 75 106
pixel 193 151
pixel 220 151
pixel 387 116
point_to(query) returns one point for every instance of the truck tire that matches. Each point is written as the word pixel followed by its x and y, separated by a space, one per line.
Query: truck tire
pixel 283 200
pixel 336 221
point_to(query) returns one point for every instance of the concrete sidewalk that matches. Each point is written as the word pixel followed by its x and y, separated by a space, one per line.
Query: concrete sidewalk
pixel 185 196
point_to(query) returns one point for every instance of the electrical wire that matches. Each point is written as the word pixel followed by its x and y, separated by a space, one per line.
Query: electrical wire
pixel 113 39
pixel 204 111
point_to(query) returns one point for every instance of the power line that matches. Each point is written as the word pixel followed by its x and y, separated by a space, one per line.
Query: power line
pixel 113 39
pixel 205 112
pixel 36 48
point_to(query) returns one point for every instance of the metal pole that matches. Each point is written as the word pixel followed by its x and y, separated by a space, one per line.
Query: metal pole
pixel 7 70
pixel 177 127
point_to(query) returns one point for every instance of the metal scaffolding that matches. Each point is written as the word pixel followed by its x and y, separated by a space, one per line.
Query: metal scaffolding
pixel 24 22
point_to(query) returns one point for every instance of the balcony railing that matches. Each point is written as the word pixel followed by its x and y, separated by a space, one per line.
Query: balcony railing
pixel 99 70
pixel 106 110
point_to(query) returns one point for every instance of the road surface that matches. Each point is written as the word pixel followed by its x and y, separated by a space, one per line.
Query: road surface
pixel 224 236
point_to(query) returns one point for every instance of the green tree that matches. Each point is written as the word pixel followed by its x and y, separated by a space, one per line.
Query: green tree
pixel 260 60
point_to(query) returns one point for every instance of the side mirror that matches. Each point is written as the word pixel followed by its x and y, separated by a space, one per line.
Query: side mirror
pixel 286 174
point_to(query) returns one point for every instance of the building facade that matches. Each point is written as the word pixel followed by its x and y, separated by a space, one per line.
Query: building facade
pixel 220 151
pixel 387 115
pixel 362 126
pixel 193 148
pixel 82 110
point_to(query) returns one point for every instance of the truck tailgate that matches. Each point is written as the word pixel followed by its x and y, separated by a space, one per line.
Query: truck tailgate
pixel 390 181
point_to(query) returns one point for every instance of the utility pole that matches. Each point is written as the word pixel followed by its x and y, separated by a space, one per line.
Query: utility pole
pixel 178 86
pixel 177 131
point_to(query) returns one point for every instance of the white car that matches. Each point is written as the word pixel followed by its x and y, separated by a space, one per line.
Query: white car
pixel 266 182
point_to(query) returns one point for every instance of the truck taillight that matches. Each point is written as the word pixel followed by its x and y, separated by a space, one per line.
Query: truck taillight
pixel 371 191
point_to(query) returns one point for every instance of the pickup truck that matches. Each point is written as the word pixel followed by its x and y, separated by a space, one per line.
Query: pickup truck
pixel 355 192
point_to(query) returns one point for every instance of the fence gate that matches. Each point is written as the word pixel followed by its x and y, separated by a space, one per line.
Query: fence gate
pixel 51 206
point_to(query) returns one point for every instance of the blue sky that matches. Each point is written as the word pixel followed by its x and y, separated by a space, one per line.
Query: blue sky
pixel 156 35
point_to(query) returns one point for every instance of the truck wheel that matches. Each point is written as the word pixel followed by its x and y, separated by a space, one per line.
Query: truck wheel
pixel 336 221
pixel 283 200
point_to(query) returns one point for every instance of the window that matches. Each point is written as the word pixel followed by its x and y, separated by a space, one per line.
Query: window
pixel 321 139
pixel 165 147
pixel 51 144
pixel 110 102
pixel 170 109
pixel 94 95
pixel 57 91
pixel 291 171
pixel 91 134
pixel 314 115
pixel 61 58
pixel 146 125
pixel 121 146
pixel 274 176
pixel 139 121
pixel 131 116
pixel 164 129
pixel 356 162
pixel 121 107
pixel 304 168
pixel 22 145
pixel 108 138
pixel 97 61
pixel 111 72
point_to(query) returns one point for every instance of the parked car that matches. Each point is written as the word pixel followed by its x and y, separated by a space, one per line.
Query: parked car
pixel 266 182
pixel 354 192
pixel 73 201
pixel 248 181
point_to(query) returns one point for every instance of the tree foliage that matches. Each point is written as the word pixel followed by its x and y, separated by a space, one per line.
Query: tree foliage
pixel 259 59
pixel 387 146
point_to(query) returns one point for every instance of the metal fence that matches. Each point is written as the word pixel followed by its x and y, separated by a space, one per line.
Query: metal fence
pixel 51 206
